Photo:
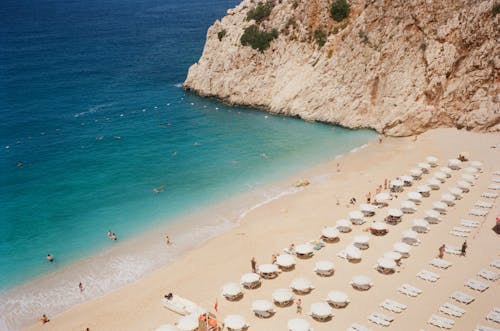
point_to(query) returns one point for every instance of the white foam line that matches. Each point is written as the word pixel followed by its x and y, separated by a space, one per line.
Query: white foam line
pixel 292 190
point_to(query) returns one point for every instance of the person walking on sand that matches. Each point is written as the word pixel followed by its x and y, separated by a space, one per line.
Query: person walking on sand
pixel 80 286
pixel 369 197
pixel 253 262
pixel 167 240
pixel 464 248
pixel 299 306
pixel 441 251
pixel 44 319
pixel 385 184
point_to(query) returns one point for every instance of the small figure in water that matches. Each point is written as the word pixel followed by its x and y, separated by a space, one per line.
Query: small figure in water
pixel 44 319
pixel 112 235
pixel 263 155
pixel 80 286
pixel 159 189
pixel 50 258
pixel 20 164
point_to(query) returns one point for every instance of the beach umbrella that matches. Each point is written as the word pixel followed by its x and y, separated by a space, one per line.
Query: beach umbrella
pixel 235 322
pixel 457 193
pixel 268 268
pixel 262 306
pixel 304 249
pixel 395 256
pixel 356 216
pixel 406 179
pixel 301 284
pixel 447 171
pixel 367 209
pixel 468 178
pixel 420 225
pixel 415 173
pixel 433 183
pixel 361 241
pixel 476 164
pixel 298 324
pixel 383 197
pixel 431 215
pixel 396 183
pixel 395 212
pixel 386 263
pixel 410 234
pixel 463 185
pixel 361 281
pixel 441 176
pixel 414 196
pixel 249 278
pixel 285 260
pixel 330 232
pixel 282 295
pixel 231 290
pixel 167 327
pixel 338 297
pixel 353 253
pixel 321 309
pixel 378 226
pixel 424 190
pixel 439 206
pixel 324 266
pixel 402 248
pixel 471 170
pixel 408 206
pixel 344 225
pixel 424 166
pixel 432 160
pixel 448 198
pixel 188 323
pixel 454 164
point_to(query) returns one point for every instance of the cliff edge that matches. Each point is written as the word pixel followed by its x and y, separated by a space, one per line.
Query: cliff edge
pixel 398 66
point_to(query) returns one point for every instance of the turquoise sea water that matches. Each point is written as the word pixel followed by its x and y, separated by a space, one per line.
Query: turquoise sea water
pixel 91 104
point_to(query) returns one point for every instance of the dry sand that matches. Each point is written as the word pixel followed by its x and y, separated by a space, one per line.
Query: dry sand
pixel 200 273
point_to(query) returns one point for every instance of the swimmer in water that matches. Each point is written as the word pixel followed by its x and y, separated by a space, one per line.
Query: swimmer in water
pixel 50 258
pixel 159 189
pixel 174 153
pixel 263 155
pixel 20 164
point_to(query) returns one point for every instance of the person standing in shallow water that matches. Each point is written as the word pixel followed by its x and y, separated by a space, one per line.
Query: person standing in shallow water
pixel 50 258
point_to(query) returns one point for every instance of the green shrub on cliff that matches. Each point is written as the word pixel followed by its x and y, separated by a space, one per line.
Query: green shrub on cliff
pixel 221 34
pixel 320 37
pixel 258 39
pixel 496 9
pixel 260 12
pixel 340 9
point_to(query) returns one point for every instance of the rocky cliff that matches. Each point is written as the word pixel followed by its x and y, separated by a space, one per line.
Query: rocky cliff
pixel 398 66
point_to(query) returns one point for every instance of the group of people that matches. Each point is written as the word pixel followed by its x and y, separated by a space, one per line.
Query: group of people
pixel 112 235
pixel 442 249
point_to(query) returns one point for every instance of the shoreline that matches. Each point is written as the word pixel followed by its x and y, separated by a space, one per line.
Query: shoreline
pixel 254 237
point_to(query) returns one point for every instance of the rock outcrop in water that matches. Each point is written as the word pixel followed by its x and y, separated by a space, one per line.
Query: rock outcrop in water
pixel 398 66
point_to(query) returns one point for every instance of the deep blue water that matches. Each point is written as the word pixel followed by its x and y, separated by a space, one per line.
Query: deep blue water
pixel 90 103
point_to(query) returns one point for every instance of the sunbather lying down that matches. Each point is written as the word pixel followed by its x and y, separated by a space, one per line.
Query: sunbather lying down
pixel 169 296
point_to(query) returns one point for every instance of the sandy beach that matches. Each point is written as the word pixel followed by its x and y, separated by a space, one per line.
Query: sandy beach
pixel 298 218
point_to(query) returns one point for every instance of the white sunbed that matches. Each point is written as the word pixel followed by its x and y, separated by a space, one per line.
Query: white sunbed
pixel 494 186
pixel 470 223
pixel 489 275
pixel 462 297
pixel 393 306
pixel 440 263
pixel 483 204
pixel 428 275
pixel 485 328
pixel 380 318
pixel 452 310
pixel 459 233
pixel 495 263
pixel 489 195
pixel 461 229
pixel 496 179
pixel 452 250
pixel 409 290
pixel 476 285
pixel 478 212
pixel 493 316
pixel 441 322
pixel 358 327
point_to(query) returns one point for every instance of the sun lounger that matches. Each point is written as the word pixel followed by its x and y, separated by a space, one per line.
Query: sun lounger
pixel 495 263
pixel 496 179
pixel 441 322
pixel 358 327
pixel 493 316
pixel 452 310
pixel 459 233
pixel 380 319
pixel 485 328
pixel 489 275
pixel 462 297
pixel 478 212
pixel 461 229
pixel 476 285
pixel 469 223
pixel 393 306
pixel 494 186
pixel 428 275
pixel 483 204
pixel 489 195
pixel 440 263
pixel 452 250
pixel 409 290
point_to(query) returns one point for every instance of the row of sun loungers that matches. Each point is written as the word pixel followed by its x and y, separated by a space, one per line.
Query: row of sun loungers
pixel 428 275
pixel 441 322
pixel 476 285
pixel 485 328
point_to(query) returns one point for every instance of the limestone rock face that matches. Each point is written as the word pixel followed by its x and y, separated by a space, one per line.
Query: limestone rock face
pixel 398 66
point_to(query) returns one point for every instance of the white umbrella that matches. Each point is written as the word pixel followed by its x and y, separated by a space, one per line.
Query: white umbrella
pixel 420 225
pixel 471 170
pixel 235 322
pixel 344 225
pixel 367 209
pixel 356 216
pixel 298 324
pixel 250 279
pixel 187 323
pixel 167 327
pixel 447 171
pixel 410 234
pixel 383 197
pixel 386 263
pixel 408 206
pixel 268 268
pixel 231 290
pixel 395 256
pixel 457 193
pixel 324 266
pixel 401 247
pixel 424 165
pixel 361 239
pixel 406 179
pixel 395 212
pixel 432 214
pixel 441 176
pixel 415 173
pixel 476 164
pixel 353 253
pixel 304 249
pixel 439 206
pixel 468 178
pixel 361 280
pixel 454 164
pixel 330 232
pixel 262 305
pixel 337 297
pixel 432 160
pixel 423 189
pixel 301 284
pixel 282 295
pixel 414 196
pixel 448 198
pixel 378 226
pixel 321 309
pixel 433 183
pixel 463 185
pixel 396 183
pixel 285 260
